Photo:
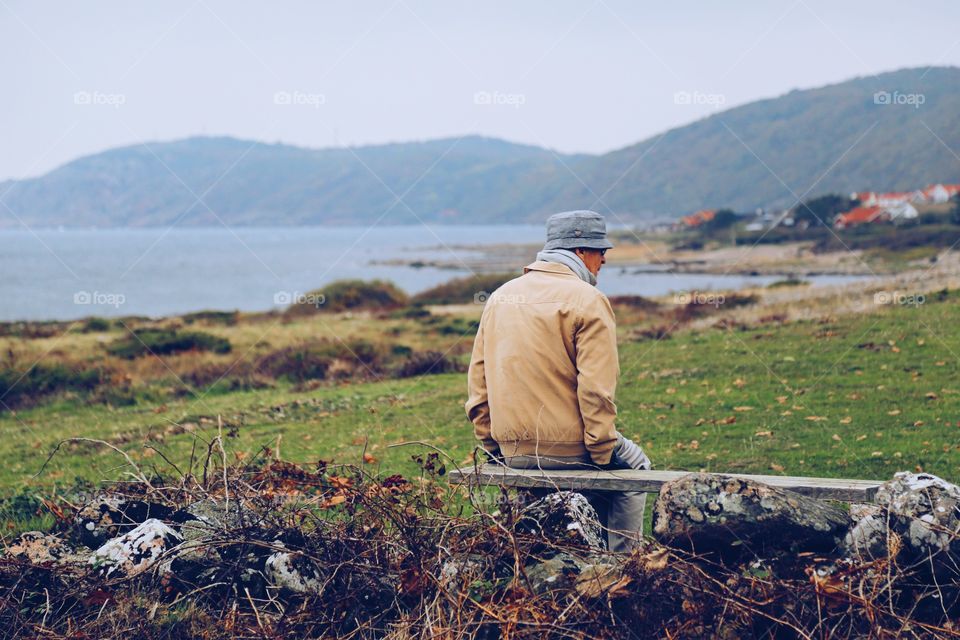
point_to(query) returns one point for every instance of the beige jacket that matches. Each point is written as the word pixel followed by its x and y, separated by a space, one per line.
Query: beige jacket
pixel 544 367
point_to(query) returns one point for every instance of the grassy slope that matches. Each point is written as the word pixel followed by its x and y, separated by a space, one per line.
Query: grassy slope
pixel 698 400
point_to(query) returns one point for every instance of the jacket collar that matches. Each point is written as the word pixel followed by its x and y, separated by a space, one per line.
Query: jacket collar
pixel 550 267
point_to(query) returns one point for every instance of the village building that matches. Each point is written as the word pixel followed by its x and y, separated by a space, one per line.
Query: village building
pixel 698 218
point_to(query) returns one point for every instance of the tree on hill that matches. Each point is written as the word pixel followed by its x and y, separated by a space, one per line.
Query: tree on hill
pixel 722 219
pixel 955 209
pixel 820 211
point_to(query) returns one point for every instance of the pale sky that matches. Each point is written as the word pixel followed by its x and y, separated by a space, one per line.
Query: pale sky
pixel 590 76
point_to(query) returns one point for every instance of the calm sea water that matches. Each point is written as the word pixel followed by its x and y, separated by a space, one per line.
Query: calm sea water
pixel 49 274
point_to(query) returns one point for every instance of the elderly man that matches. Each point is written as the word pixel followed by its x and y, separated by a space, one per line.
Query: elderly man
pixel 544 371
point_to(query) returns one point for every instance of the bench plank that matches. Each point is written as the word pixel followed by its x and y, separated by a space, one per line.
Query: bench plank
pixel 651 481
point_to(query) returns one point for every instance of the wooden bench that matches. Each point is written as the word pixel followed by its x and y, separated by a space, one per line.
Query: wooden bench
pixel 650 481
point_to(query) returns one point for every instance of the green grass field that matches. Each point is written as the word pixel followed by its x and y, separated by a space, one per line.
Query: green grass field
pixel 854 396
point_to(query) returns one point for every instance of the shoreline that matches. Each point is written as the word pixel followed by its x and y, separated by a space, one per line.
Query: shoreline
pixel 786 260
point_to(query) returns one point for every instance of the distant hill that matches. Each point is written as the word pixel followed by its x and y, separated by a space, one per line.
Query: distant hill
pixel 245 183
pixel 834 138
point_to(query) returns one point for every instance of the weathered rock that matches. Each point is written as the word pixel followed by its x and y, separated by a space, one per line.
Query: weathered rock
pixel 559 572
pixel 42 549
pixel 603 577
pixel 590 576
pixel 867 539
pixel 208 523
pixel 108 516
pixel 294 572
pixel 924 511
pixel 462 568
pixel 219 515
pixel 732 515
pixel 219 547
pixel 135 551
pixel 207 531
pixel 564 516
pixel 197 559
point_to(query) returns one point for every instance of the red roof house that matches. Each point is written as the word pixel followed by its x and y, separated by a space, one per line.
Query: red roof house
pixel 861 215
pixel 698 218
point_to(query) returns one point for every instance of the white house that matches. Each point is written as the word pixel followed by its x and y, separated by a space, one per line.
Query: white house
pixel 939 193
pixel 901 211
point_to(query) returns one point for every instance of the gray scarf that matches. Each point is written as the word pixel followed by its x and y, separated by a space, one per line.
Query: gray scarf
pixel 570 259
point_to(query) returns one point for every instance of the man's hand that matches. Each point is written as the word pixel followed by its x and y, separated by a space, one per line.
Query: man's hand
pixel 628 455
pixel 494 457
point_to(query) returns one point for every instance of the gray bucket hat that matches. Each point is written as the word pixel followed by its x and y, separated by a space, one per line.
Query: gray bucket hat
pixel 573 229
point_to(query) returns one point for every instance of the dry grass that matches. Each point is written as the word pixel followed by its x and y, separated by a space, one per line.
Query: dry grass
pixel 412 558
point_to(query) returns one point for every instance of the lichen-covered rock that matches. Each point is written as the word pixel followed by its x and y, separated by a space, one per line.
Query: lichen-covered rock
pixel 208 523
pixel 107 516
pixel 590 575
pixel 219 514
pixel 729 515
pixel 39 548
pixel 135 551
pixel 196 560
pixel 564 516
pixel 924 511
pixel 559 572
pixel 212 550
pixel 867 539
pixel 462 569
pixel 294 572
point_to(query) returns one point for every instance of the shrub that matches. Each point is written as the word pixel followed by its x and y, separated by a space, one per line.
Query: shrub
pixel 351 295
pixel 232 376
pixel 821 211
pixel 463 290
pixel 401 350
pixel 891 238
pixel 781 235
pixel 928 217
pixel 313 360
pixel 456 326
pixel 634 302
pixel 421 363
pixel 30 330
pixel 297 363
pixel 20 388
pixel 225 318
pixel 414 312
pixel 706 303
pixel 123 395
pixel 788 282
pixel 96 325
pixel 659 332
pixel 722 219
pixel 165 342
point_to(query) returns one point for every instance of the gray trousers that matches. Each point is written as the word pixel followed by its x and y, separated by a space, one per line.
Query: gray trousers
pixel 620 512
